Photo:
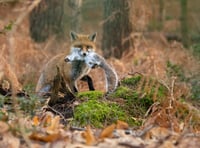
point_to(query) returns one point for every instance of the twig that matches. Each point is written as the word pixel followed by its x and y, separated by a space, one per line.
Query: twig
pixel 172 92
pixel 163 83
pixel 110 18
pixel 134 73
pixel 144 131
pixel 56 112
pixel 73 128
pixel 129 145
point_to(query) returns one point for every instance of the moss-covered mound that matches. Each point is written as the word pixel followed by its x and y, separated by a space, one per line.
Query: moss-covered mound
pixel 139 93
pixel 97 111
pixel 129 102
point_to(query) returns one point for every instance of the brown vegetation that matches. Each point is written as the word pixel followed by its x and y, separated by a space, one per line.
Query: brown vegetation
pixel 167 125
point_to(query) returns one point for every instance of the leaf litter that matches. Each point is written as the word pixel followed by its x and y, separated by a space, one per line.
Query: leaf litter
pixel 170 123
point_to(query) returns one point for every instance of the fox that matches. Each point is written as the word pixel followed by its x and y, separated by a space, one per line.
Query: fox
pixel 71 70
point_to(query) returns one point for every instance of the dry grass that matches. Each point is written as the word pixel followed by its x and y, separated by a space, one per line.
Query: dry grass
pixel 149 57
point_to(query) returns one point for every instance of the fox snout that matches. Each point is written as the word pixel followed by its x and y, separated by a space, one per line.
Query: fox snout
pixel 84 53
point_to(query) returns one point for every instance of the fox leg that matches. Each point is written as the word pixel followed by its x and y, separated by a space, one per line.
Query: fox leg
pixel 44 91
pixel 88 79
pixel 72 85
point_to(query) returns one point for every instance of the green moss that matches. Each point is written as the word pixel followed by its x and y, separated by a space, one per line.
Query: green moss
pixel 139 93
pixel 162 92
pixel 136 94
pixel 136 105
pixel 133 81
pixel 175 70
pixel 98 113
pixel 90 95
pixel 122 92
pixel 196 48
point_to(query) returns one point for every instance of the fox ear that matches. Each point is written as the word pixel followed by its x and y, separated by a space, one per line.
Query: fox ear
pixel 73 35
pixel 92 37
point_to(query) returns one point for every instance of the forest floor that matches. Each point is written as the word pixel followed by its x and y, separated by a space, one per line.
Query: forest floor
pixel 150 117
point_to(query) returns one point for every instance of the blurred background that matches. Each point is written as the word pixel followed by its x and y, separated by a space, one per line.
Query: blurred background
pixel 157 38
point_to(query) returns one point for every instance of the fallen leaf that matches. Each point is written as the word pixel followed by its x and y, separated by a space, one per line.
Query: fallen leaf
pixel 54 125
pixel 122 125
pixel 36 121
pixel 45 137
pixel 107 132
pixel 89 136
pixel 46 119
pixel 157 133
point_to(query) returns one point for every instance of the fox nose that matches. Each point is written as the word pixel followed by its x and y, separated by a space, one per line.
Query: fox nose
pixel 84 54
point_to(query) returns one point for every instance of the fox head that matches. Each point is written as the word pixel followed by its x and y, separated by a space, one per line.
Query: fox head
pixel 81 46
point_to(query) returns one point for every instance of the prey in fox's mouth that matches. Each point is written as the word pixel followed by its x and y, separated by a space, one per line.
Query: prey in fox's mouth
pixel 91 58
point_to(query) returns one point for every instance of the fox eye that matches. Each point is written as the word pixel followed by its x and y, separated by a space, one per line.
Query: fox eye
pixel 79 46
pixel 89 47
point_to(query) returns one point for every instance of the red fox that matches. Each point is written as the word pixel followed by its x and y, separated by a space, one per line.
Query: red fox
pixel 71 71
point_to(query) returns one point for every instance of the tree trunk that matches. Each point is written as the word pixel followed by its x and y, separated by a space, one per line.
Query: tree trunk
pixel 46 19
pixel 116 28
pixel 184 22
pixel 161 13
pixel 76 17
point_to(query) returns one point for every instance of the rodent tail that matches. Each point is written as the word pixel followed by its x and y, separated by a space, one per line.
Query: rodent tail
pixel 110 74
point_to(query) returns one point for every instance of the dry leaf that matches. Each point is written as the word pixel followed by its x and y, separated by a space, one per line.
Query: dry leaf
pixel 108 132
pixel 54 126
pixel 157 133
pixel 89 136
pixel 122 125
pixel 45 137
pixel 35 121
pixel 46 119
